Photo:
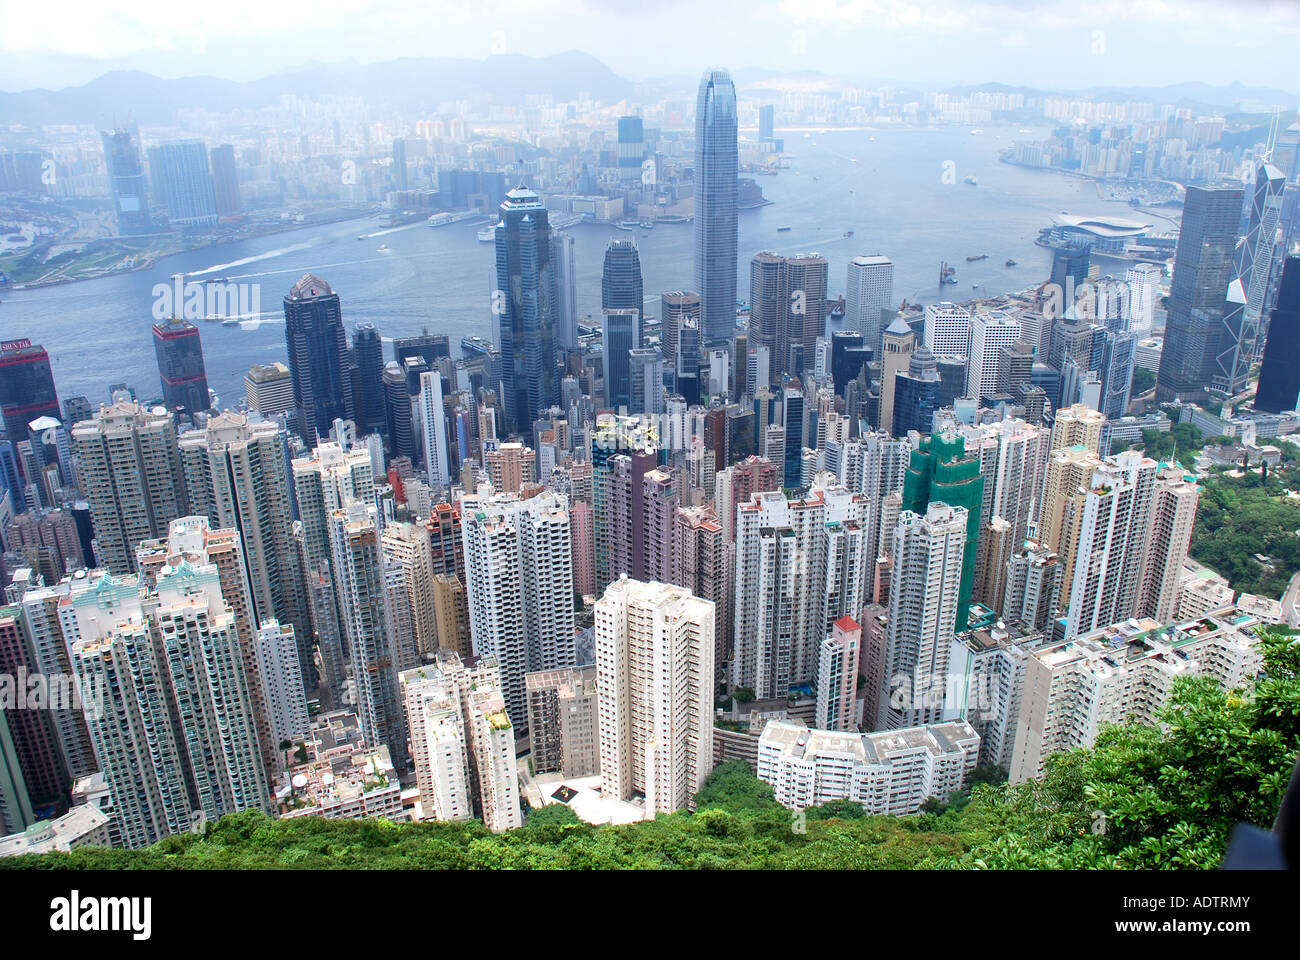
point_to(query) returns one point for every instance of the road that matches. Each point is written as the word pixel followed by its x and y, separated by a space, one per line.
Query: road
pixel 1289 602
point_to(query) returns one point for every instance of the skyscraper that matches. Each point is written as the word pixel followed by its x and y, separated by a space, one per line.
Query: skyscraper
pixel 620 332
pixel 870 289
pixel 525 307
pixel 26 387
pixel 675 308
pixel 131 474
pixel 1279 377
pixel 566 272
pixel 925 601
pixel 368 401
pixel 620 278
pixel 1203 270
pixel 433 425
pixel 519 578
pixel 318 358
pixel 184 378
pixel 225 181
pixel 898 345
pixel 182 182
pixel 990 332
pixel 126 177
pixel 654 682
pixel 716 183
pixel 1253 264
pixel 941 471
pixel 631 148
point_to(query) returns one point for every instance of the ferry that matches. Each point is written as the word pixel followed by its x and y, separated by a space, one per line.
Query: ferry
pixel 475 346
pixel 977 257
pixel 972 181
pixel 1011 263
pixel 847 234
pixel 383 248
pixel 487 235
pixel 782 229
pixel 231 322
pixel 445 219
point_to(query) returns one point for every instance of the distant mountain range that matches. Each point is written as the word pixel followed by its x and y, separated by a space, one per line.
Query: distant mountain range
pixel 417 84
pixel 411 84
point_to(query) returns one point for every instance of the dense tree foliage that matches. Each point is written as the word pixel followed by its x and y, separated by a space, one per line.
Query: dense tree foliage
pixel 1239 517
pixel 1143 797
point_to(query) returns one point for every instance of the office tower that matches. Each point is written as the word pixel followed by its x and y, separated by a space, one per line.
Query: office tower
pixel 793 420
pixel 397 411
pixel 869 290
pixel 236 475
pixel 646 375
pixel 35 742
pixel 433 427
pixel 318 358
pixel 519 581
pixel 439 745
pixel 563 728
pixel 1015 367
pixel 1031 595
pixel 1077 426
pixel 1203 269
pixel 620 278
pixel 655 688
pixel 849 355
pixel 182 183
pixel 837 675
pixel 1279 376
pixel 566 272
pixel 990 332
pixel 716 198
pixel 1239 331
pixel 802 563
pixel 429 347
pixel 356 560
pixel 525 308
pixel 399 164
pixel 889 773
pixel 1143 282
pixel 406 546
pixel 225 180
pixel 676 307
pixel 1070 272
pixel 915 393
pixel 947 330
pixel 787 298
pixel 620 333
pixel 766 122
pixel 1121 673
pixel 768 307
pixel 281 677
pixel 180 365
pixel 941 471
pixel 1107 543
pixel 131 473
pixel 631 148
pixel 26 387
pixel 899 343
pixel 268 389
pixel 127 180
pixel 1117 374
pixel 368 358
pixel 925 597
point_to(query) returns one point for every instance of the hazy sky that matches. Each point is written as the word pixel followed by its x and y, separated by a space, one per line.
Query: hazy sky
pixel 1036 42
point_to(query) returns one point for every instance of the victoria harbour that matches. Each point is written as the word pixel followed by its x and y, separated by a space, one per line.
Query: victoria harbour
pixel 900 191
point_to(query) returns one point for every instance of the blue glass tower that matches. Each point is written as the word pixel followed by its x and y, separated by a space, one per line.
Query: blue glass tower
pixel 716 173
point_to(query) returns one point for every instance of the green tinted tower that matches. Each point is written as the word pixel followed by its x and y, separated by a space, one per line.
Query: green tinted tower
pixel 941 472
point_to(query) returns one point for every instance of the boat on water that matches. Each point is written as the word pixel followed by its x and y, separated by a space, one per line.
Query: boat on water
pixel 976 133
pixel 972 181
pixel 950 280
pixel 847 234
pixel 782 229
pixel 231 322
pixel 487 235
pixel 446 219
pixel 976 257
pixel 871 139
pixel 646 224
pixel 1011 263
pixel 628 225
pixel 383 248
pixel 974 286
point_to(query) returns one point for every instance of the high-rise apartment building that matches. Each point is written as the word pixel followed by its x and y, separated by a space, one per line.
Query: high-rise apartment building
pixel 838 661
pixel 131 473
pixel 182 182
pixel 562 721
pixel 654 683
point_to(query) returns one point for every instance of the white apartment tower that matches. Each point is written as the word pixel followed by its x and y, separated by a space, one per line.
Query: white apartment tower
pixel 654 683
pixel 923 588
pixel 433 426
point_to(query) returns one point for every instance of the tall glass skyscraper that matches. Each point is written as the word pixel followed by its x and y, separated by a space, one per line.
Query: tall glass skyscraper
pixel 1279 376
pixel 184 377
pixel 126 176
pixel 716 171
pixel 1203 269
pixel 182 181
pixel 620 279
pixel 368 361
pixel 525 307
pixel 26 387
pixel 318 357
